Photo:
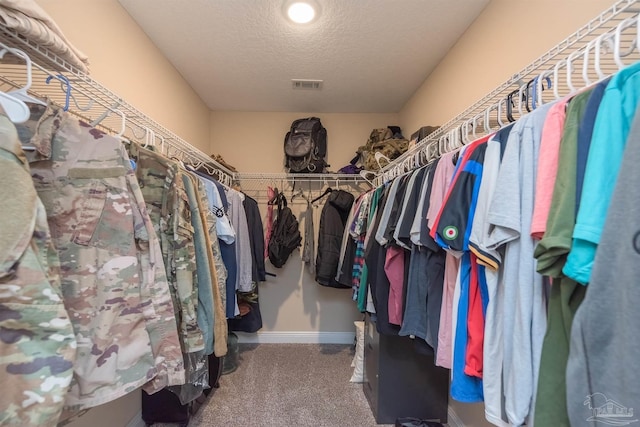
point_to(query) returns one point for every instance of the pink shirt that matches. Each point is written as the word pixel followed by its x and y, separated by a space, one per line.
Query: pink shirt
pixel 547 166
pixel 441 181
pixel 394 268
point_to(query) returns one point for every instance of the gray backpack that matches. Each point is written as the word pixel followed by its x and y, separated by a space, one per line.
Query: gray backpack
pixel 305 146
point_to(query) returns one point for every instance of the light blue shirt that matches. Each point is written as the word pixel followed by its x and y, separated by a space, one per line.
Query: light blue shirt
pixel 608 141
pixel 225 231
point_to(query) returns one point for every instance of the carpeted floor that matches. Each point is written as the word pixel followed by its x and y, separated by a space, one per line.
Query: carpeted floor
pixel 288 385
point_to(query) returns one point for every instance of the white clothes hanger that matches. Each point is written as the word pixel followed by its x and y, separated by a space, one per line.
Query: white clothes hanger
pixel 502 101
pixel 442 146
pixel 464 132
pixel 149 138
pixel 585 63
pixel 487 118
pixel 574 55
pixel 364 174
pixel 22 93
pixel 617 44
pixel 123 124
pixel 544 76
pixel 379 156
pixel 123 121
pixel 16 110
pixel 521 90
pixel 454 139
pixel 474 128
pixel 556 78
pixel 599 41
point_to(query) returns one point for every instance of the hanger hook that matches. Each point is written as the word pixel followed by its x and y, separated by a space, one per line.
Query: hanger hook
pixel 521 94
pixel 442 148
pixel 379 156
pixel 606 37
pixel 487 118
pixel 556 71
pixel 146 137
pixel 585 63
pixel 500 102
pixel 363 174
pixel 480 116
pixel 27 60
pixel 67 83
pixel 618 41
pixel 544 76
pixel 123 123
pixel 570 59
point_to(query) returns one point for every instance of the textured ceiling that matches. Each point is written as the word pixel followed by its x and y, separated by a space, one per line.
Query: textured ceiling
pixel 242 54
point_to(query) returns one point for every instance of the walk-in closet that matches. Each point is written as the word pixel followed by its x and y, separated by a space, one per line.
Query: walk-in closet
pixel 319 213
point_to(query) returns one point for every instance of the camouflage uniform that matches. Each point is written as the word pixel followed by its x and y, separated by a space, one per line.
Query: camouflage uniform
pixel 37 344
pixel 113 281
pixel 161 181
pixel 203 275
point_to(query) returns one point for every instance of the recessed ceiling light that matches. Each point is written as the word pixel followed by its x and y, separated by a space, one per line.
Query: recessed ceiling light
pixel 301 12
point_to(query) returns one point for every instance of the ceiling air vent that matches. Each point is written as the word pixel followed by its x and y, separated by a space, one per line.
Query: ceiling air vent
pixel 306 84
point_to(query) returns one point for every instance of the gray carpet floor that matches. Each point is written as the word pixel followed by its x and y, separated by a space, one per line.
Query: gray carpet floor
pixel 288 385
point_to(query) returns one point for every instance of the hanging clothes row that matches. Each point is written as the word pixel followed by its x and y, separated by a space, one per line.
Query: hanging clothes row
pixel 484 256
pixel 120 269
pixel 283 232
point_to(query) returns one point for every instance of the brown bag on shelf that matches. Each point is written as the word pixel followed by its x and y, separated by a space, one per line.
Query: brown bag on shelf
pixel 218 158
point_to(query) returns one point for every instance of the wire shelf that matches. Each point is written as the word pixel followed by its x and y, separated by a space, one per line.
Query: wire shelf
pixel 299 188
pixel 93 102
pixel 597 38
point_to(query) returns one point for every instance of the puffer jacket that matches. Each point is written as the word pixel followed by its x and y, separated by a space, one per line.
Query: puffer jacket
pixel 332 222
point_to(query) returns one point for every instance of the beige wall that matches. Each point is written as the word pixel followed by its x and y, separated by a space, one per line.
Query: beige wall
pixel 506 37
pixel 253 142
pixel 124 60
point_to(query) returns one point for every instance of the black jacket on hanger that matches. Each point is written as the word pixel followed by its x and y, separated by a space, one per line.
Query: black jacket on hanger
pixel 256 238
pixel 332 222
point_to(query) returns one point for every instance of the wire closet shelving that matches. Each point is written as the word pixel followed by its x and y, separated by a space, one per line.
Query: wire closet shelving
pixel 94 103
pixel 595 51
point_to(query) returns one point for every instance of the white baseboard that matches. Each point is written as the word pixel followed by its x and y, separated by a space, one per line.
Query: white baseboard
pixel 454 420
pixel 311 337
pixel 137 421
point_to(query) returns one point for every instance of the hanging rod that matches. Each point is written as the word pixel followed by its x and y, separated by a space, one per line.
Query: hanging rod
pixel 99 101
pixel 312 177
pixel 482 117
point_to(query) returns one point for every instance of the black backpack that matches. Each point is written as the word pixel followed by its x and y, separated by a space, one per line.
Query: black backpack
pixel 285 237
pixel 305 146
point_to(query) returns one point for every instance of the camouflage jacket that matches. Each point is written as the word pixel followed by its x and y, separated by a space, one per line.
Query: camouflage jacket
pixel 203 271
pixel 37 344
pixel 162 184
pixel 113 278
